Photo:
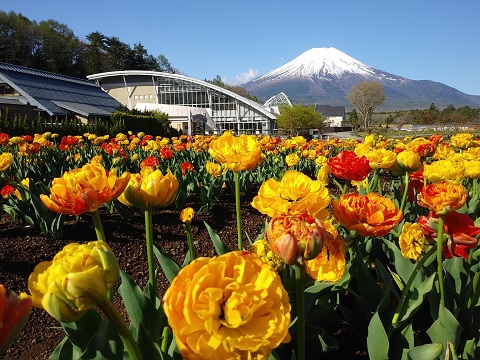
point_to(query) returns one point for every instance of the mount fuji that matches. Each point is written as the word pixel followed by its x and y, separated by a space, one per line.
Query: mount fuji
pixel 326 76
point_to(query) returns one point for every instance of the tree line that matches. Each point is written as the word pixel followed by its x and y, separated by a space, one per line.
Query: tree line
pixel 52 46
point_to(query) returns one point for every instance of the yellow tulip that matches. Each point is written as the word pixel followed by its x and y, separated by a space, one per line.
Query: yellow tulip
pixel 292 159
pixel 444 170
pixel 215 169
pixel 6 159
pixel 294 193
pixel 329 264
pixel 232 306
pixel 84 190
pixel 77 278
pixel 380 158
pixel 187 214
pixel 411 240
pixel 237 153
pixel 409 160
pixel 264 251
pixel 472 169
pixel 150 189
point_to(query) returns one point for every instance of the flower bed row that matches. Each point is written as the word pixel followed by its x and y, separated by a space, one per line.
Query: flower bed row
pixel 398 240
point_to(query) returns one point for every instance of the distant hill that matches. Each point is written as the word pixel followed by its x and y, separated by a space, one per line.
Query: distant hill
pixel 327 75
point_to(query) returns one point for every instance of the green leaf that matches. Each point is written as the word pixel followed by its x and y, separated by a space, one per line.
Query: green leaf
pixel 81 332
pixel 64 351
pixel 416 297
pixel 377 339
pixel 220 247
pixel 141 311
pixel 446 329
pixel 106 344
pixel 426 352
pixel 169 266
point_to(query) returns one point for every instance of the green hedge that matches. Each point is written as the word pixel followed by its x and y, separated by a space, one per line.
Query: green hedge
pixel 121 121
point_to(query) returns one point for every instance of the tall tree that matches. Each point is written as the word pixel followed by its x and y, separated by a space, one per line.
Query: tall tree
pixel 366 96
pixel 165 65
pixel 294 119
pixel 97 58
pixel 117 53
pixel 59 47
pixel 19 39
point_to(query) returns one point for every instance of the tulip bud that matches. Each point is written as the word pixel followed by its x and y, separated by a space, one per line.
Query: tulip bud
pixel 296 238
pixel 409 160
pixel 77 278
pixel 187 214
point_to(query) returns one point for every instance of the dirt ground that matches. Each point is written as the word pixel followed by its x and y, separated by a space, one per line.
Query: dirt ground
pixel 22 247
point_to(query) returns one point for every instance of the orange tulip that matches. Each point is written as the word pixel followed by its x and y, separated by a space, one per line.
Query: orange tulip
pixel 368 215
pixel 84 190
pixel 442 197
pixel 296 238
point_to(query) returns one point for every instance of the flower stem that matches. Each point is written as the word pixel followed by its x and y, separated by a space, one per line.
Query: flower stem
pixel 299 275
pixel 405 192
pixel 440 260
pixel 130 345
pixel 191 248
pixel 97 223
pixel 151 264
pixel 407 287
pixel 164 340
pixel 236 177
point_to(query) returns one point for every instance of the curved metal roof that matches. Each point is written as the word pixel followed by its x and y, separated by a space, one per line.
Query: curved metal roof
pixel 242 99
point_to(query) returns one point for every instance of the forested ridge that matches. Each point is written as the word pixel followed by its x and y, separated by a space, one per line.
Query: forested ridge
pixel 52 46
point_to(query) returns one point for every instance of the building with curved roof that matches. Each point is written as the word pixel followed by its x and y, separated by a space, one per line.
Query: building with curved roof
pixel 193 106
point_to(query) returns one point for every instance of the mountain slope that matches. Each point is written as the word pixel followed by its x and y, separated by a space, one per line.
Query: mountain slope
pixel 327 75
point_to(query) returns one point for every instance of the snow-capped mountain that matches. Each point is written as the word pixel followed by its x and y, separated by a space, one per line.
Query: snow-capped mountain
pixel 326 76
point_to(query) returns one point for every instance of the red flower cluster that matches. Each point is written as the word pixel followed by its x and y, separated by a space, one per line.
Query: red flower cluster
pixel 67 142
pixel 4 138
pixel 113 148
pixel 186 166
pixel 6 191
pixel 150 161
pixel 347 165
pixel 166 153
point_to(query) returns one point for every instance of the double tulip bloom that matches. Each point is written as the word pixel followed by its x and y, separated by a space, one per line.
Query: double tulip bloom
pixel 368 215
pixel 84 190
pixel 442 197
pixel 6 159
pixel 347 165
pixel 237 153
pixel 150 188
pixel 78 277
pixel 232 306
pixel 294 193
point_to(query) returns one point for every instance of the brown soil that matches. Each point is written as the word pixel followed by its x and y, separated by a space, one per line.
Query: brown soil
pixel 22 247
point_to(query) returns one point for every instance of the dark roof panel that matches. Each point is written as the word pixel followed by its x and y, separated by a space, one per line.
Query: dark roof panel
pixel 46 89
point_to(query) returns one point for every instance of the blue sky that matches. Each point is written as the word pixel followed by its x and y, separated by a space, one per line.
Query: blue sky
pixel 422 40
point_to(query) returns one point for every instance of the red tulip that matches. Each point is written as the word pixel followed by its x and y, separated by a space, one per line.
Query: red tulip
pixel 347 165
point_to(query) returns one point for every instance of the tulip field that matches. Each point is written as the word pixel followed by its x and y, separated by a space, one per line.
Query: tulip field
pixel 377 239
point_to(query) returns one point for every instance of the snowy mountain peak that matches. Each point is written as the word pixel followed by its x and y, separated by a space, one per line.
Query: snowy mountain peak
pixel 320 62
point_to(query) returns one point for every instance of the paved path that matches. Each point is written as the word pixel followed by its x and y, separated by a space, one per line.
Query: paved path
pixel 343 135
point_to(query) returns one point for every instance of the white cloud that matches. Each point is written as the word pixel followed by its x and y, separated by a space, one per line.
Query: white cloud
pixel 245 77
